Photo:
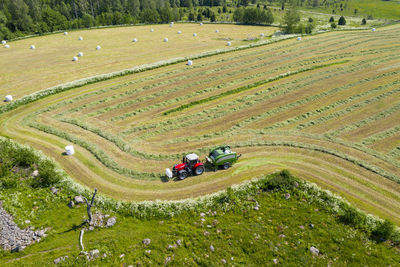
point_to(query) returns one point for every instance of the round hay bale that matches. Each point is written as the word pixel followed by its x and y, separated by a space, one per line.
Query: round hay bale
pixel 262 35
pixel 98 47
pixel 179 32
pixel 80 38
pixel 299 38
pixel 165 39
pixel 65 33
pixel 75 59
pixel 7 46
pixel 373 29
pixel 134 40
pixel 80 54
pixel 151 30
pixel 201 23
pixel 3 42
pixel 8 98
pixel 228 43
pixel 171 24
pixel 194 34
pixel 33 47
pixel 217 31
pixel 69 150
pixel 190 63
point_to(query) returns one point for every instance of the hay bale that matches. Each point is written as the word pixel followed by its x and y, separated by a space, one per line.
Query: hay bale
pixel 134 40
pixel 7 46
pixel 194 34
pixel 80 54
pixel 69 150
pixel 262 35
pixel 80 38
pixel 373 29
pixel 228 43
pixel 179 32
pixel 165 39
pixel 3 42
pixel 299 38
pixel 65 33
pixel 217 31
pixel 8 98
pixel 75 59
pixel 98 47
pixel 171 24
pixel 33 47
pixel 151 30
pixel 190 63
pixel 201 23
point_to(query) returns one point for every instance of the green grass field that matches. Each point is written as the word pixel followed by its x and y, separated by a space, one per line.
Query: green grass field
pixel 325 107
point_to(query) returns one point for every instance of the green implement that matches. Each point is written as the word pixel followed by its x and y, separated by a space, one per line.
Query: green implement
pixel 222 156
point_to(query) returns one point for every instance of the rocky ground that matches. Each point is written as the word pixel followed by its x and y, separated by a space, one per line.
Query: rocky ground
pixel 12 237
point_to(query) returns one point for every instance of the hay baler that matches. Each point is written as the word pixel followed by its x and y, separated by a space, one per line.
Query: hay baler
pixel 223 157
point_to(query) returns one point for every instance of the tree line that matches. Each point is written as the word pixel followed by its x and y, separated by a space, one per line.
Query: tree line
pixel 21 17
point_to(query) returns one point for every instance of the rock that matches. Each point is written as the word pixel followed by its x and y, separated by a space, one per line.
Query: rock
pixel 148 251
pixel 223 261
pixel 60 259
pixel 122 255
pixel 282 236
pixel 111 221
pixel 35 173
pixel 27 221
pixel 206 233
pixel 171 246
pixel 16 249
pixel 71 204
pixel 202 214
pixel 146 241
pixel 179 242
pixel 212 248
pixel 311 226
pixel 314 251
pixel 167 260
pixel 287 196
pixel 256 208
pixel 301 227
pixel 54 190
pixel 91 228
pixel 104 255
pixel 40 233
pixel 78 199
pixel 94 254
pixel 275 261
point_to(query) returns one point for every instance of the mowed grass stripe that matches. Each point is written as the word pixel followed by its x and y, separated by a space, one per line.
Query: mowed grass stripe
pixel 251 86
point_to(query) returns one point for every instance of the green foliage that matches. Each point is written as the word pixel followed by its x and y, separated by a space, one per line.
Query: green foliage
pixel 364 21
pixel 290 20
pixel 333 25
pixel 385 230
pixel 342 21
pixel 280 181
pixel 48 176
pixel 353 217
pixel 253 16
pixel 332 19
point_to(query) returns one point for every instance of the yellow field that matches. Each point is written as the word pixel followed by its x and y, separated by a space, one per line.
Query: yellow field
pixel 24 71
pixel 327 108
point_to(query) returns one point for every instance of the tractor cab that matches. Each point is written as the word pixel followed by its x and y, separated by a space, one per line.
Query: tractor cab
pixel 191 160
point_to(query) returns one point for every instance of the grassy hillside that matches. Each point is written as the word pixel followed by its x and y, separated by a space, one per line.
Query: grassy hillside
pixel 51 62
pixel 325 107
pixel 275 219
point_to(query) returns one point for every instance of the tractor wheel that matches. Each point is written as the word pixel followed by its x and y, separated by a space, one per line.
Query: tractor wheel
pixel 226 165
pixel 199 170
pixel 182 175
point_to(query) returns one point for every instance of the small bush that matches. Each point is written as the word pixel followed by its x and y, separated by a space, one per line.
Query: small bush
pixel 333 25
pixel 47 175
pixel 280 181
pixel 332 19
pixel 364 21
pixel 384 231
pixel 342 21
pixel 353 217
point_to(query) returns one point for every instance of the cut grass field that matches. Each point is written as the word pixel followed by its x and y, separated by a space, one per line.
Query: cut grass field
pixel 51 62
pixel 313 106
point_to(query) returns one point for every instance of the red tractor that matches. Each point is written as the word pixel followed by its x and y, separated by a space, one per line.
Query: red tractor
pixel 191 165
